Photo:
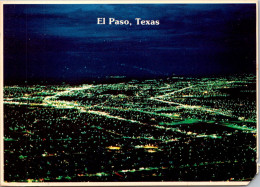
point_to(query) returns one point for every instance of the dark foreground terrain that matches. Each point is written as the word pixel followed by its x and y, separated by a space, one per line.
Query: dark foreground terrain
pixel 177 129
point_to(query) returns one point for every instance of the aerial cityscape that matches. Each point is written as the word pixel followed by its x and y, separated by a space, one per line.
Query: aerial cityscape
pixel 174 129
pixel 89 102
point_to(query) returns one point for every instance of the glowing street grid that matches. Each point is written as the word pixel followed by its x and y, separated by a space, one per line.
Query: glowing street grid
pixel 174 129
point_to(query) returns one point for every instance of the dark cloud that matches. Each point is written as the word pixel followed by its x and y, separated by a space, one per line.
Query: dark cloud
pixel 64 41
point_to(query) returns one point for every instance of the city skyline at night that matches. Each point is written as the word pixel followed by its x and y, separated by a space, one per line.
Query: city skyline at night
pixel 129 93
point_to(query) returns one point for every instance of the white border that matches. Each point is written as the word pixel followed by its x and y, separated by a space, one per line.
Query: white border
pixel 218 183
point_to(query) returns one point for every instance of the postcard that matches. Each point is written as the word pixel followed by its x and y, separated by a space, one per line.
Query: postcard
pixel 128 93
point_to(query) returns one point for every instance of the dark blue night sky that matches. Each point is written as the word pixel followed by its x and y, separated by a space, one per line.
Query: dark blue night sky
pixel 64 43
